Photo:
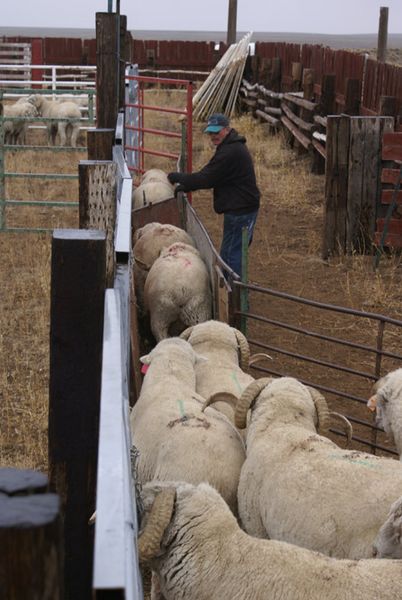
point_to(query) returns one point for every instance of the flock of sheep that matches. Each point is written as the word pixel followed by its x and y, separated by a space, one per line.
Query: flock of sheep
pixel 62 129
pixel 244 494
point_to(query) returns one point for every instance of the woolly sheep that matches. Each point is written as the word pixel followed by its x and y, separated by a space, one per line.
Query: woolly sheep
pixel 149 240
pixel 221 375
pixel 66 130
pixel 151 192
pixel 176 440
pixel 15 131
pixel 388 543
pixel 300 487
pixel 195 545
pixel 177 290
pixel 387 402
pixel 155 175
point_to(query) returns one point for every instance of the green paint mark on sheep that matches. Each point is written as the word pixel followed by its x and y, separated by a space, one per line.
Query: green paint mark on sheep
pixel 353 460
pixel 234 377
pixel 181 408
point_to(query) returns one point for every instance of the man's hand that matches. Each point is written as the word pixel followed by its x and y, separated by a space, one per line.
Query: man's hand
pixel 173 177
pixel 179 188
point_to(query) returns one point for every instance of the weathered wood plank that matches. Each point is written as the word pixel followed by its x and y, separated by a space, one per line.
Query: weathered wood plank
pixel 320 120
pixel 271 120
pixel 320 148
pixel 304 140
pixel 336 184
pixel 310 127
pixel 300 102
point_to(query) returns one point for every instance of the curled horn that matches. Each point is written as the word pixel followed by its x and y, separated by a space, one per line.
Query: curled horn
pixel 347 426
pixel 257 357
pixel 322 409
pixel 244 349
pixel 186 333
pixel 230 399
pixel 158 519
pixel 247 398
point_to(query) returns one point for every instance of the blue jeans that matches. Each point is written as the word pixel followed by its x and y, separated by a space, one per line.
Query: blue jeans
pixel 232 238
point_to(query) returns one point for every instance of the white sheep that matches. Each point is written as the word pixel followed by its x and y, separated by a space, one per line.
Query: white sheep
pixel 149 240
pixel 196 547
pixel 151 192
pixel 177 290
pixel 228 354
pixel 387 402
pixel 15 131
pixel 67 130
pixel 176 440
pixel 299 486
pixel 155 175
pixel 388 543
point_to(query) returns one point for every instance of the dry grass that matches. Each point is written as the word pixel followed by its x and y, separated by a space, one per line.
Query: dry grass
pixel 285 255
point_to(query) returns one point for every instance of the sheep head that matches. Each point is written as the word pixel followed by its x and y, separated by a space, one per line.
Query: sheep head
pixel 388 543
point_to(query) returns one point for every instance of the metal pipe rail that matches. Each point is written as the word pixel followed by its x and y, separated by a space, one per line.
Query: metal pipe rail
pixel 243 293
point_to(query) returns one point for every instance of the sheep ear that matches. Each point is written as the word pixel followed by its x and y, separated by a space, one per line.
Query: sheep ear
pixel 146 359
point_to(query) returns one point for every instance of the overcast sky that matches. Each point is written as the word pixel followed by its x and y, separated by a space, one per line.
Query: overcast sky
pixel 307 16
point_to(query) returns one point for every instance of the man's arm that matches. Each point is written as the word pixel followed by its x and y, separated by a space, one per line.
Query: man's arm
pixel 208 177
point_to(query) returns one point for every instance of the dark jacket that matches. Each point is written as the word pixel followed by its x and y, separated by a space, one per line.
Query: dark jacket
pixel 230 173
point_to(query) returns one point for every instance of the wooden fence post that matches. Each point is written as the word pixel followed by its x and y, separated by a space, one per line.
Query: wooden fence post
pixel 327 101
pixel 352 97
pixel 97 208
pixel 336 185
pixel 107 69
pixel 76 331
pixel 30 537
pixel 100 144
pixel 382 34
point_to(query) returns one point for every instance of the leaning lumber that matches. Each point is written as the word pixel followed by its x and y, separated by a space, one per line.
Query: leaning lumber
pixel 303 139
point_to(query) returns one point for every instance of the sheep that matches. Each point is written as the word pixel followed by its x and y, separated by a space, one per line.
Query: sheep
pixel 155 175
pixel 149 240
pixel 177 290
pixel 66 130
pixel 151 192
pixel 388 543
pixel 15 131
pixel 175 439
pixel 387 402
pixel 195 545
pixel 300 487
pixel 225 347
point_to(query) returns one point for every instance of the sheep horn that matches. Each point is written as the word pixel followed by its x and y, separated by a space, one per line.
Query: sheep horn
pixel 186 333
pixel 257 357
pixel 322 409
pixel 247 398
pixel 244 349
pixel 347 426
pixel 230 399
pixel 159 518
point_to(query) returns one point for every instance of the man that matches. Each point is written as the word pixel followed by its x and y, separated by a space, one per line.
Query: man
pixel 230 173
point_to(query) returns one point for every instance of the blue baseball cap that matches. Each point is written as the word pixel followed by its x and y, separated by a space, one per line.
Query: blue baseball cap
pixel 216 122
